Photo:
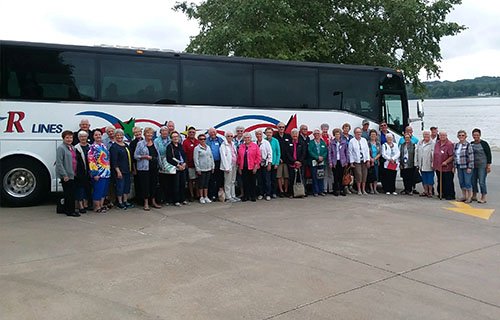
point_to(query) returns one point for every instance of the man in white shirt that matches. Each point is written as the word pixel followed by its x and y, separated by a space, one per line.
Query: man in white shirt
pixel 359 157
pixel 264 173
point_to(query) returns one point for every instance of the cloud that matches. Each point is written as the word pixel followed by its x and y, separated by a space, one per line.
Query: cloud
pixel 153 24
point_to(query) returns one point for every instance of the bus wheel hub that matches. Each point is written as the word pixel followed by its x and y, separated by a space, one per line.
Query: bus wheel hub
pixel 19 182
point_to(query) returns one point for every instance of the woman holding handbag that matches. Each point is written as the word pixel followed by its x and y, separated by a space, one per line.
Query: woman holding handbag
pixel 390 152
pixel 338 155
pixel 177 158
pixel 318 154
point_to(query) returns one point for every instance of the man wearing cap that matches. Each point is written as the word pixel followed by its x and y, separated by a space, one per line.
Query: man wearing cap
pixel 365 130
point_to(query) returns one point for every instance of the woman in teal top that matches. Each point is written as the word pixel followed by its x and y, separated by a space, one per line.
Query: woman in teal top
pixel 318 153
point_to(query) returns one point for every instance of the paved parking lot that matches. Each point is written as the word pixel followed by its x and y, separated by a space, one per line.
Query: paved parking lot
pixel 359 257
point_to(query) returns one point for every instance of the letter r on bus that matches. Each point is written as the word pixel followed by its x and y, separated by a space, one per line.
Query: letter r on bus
pixel 14 121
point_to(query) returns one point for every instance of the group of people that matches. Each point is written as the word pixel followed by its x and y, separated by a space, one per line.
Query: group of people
pixel 98 168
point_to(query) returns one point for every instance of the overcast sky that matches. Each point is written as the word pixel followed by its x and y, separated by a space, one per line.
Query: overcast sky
pixel 152 23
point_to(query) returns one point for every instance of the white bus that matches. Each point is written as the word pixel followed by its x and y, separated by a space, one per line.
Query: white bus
pixel 48 88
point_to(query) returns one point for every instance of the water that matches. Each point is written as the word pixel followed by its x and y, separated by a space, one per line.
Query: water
pixel 452 115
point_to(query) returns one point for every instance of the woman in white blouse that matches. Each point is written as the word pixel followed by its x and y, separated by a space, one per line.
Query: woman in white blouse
pixel 228 157
pixel 390 152
pixel 359 156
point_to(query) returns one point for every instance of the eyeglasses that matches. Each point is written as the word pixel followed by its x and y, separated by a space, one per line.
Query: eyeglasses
pixel 461 135
pixel 281 127
pixel 229 136
pixel 202 139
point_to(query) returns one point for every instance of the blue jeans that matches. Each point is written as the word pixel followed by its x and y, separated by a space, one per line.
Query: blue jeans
pixel 464 179
pixel 317 184
pixel 123 184
pixel 264 182
pixel 479 174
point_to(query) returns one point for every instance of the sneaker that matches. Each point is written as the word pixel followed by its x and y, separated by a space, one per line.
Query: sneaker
pixel 347 191
pixel 121 206
pixel 208 200
pixel 268 198
pixel 365 193
pixel 274 196
pixel 177 204
pixel 260 197
pixel 236 199
pixel 202 200
pixel 322 194
pixel 129 205
pixel 387 193
pixel 395 193
pixel 185 202
pixel 375 191
pixel 360 193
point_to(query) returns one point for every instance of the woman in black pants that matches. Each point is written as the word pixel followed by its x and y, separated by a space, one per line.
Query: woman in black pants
pixel 146 155
pixel 176 157
pixel 390 152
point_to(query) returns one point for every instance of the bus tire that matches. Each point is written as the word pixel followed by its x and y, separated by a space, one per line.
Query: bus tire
pixel 25 181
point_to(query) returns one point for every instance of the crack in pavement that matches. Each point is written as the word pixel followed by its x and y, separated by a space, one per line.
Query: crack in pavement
pixel 394 274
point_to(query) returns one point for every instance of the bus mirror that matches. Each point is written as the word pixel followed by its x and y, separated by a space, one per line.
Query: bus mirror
pixel 420 109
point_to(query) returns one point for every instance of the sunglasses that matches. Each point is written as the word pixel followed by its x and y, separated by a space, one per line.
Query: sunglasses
pixel 202 139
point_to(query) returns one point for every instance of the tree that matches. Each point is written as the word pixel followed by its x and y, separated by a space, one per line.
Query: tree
pixel 403 34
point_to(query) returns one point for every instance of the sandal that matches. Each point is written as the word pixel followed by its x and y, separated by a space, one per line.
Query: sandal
pixel 423 194
pixel 156 206
pixel 481 201
pixel 146 209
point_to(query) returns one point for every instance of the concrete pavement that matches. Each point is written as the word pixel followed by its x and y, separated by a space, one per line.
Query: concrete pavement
pixel 358 257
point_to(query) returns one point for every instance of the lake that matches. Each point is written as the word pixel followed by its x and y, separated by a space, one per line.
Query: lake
pixel 452 115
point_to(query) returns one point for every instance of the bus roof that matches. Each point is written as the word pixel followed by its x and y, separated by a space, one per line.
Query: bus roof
pixel 121 50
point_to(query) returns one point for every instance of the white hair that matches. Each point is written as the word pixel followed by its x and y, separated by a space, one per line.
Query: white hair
pixel 389 135
pixel 295 131
pixel 247 134
pixel 119 131
pixel 325 126
pixel 239 128
pixel 82 133
pixel 110 127
pixel 258 131
pixel 228 132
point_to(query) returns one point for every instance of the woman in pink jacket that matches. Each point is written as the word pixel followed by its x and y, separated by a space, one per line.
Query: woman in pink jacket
pixel 249 159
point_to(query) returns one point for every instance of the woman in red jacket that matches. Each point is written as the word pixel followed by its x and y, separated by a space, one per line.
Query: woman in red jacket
pixel 249 159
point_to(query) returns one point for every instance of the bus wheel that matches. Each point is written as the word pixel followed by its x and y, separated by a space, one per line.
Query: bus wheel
pixel 24 181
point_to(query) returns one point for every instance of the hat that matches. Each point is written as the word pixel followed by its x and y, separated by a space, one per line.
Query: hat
pixel 365 122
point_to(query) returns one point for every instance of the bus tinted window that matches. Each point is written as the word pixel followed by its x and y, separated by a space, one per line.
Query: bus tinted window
pixel 285 87
pixel 138 80
pixel 353 91
pixel 39 74
pixel 215 83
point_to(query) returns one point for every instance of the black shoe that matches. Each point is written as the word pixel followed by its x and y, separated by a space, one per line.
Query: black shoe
pixel 342 193
pixel 244 199
pixel 281 195
pixel 74 214
pixel 82 211
pixel 336 193
pixel 253 200
pixel 415 192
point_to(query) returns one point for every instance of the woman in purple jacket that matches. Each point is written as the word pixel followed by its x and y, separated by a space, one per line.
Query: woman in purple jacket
pixel 338 155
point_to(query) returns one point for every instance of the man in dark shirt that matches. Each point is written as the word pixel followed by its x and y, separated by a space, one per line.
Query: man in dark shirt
pixel 282 173
pixel 84 126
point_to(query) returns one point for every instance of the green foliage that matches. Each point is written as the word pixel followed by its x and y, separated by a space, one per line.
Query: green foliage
pixel 403 34
pixel 459 89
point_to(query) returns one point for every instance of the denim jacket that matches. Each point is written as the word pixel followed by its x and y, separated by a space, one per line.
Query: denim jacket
pixel 142 150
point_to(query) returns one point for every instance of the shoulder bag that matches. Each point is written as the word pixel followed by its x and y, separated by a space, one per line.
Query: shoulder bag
pixel 298 187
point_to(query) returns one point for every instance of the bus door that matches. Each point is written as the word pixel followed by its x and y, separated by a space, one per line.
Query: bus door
pixel 393 112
